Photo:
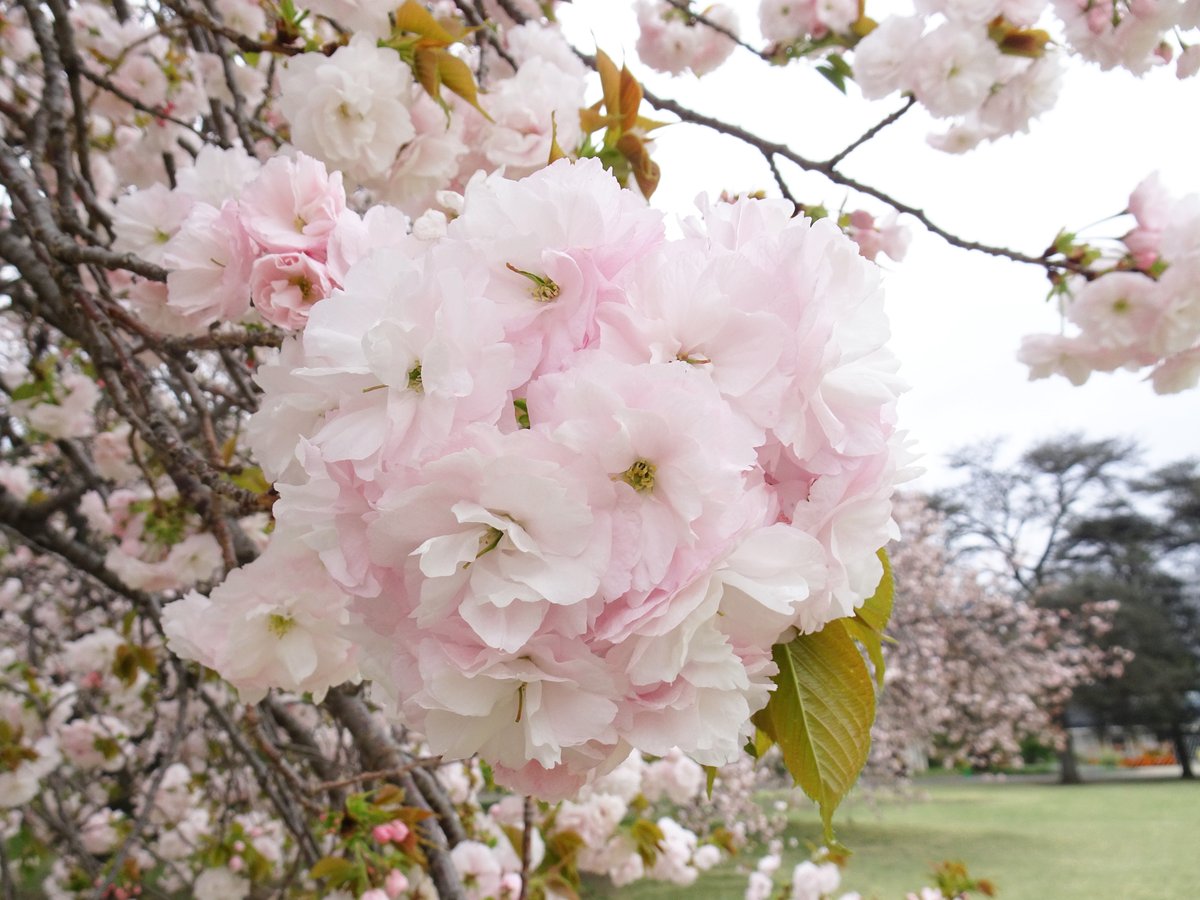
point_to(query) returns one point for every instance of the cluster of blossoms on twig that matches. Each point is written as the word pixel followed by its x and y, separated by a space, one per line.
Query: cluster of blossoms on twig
pixel 1135 303
pixel 583 478
pixel 91 710
pixel 95 707
pixel 989 67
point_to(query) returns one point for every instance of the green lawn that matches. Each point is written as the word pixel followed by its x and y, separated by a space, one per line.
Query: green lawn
pixel 1115 841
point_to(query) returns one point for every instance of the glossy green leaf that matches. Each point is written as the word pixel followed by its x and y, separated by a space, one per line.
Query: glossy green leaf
pixel 868 623
pixel 820 715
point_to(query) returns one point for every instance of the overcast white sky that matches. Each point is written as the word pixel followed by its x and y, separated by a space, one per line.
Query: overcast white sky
pixel 957 317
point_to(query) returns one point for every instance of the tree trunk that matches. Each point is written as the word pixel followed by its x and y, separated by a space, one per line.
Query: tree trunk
pixel 1182 754
pixel 1068 768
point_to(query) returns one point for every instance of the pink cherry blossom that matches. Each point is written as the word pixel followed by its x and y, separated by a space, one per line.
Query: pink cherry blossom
pixel 670 42
pixel 292 205
pixel 209 259
pixel 284 285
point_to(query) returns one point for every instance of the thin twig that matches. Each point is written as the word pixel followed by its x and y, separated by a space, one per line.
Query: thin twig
pixel 771 149
pixel 526 846
pixel 143 817
pixel 685 6
pixel 867 135
pixel 430 762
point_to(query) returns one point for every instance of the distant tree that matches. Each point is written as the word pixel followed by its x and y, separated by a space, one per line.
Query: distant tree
pixel 1019 517
pixel 1177 488
pixel 976 668
pixel 1127 554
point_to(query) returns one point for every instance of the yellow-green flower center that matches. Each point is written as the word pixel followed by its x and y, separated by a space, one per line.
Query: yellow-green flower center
pixel 640 476
pixel 280 625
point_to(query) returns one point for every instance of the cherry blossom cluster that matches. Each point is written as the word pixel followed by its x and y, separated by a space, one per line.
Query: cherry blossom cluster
pixel 981 66
pixel 975 670
pixel 671 39
pixel 358 107
pixel 85 711
pixel 735 811
pixel 145 86
pixel 819 877
pixel 873 235
pixel 88 708
pixel 815 879
pixel 556 485
pixel 988 68
pixel 1133 305
pixel 624 824
pixel 235 234
pixel 360 110
pixel 785 23
pixel 1134 35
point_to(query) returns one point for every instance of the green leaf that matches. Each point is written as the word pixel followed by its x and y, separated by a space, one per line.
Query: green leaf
pixel 869 621
pixel 762 743
pixel 28 390
pixel 631 98
pixel 645 170
pixel 336 871
pixel 876 611
pixel 820 715
pixel 561 887
pixel 871 641
pixel 834 77
pixel 125 664
pixel 648 838
pixel 561 849
pixel 251 479
pixel 710 773
pixel 521 405
pixel 287 10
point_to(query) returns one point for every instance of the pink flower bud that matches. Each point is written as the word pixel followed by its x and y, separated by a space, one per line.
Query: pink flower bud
pixel 860 218
pixel 395 831
pixel 1099 19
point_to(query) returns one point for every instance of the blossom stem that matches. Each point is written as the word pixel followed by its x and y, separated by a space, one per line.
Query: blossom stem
pixel 526 847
